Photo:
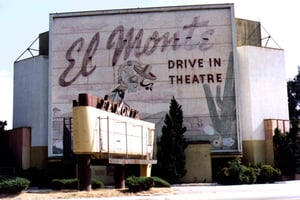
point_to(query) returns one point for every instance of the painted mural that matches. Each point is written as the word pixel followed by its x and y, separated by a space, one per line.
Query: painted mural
pixel 144 57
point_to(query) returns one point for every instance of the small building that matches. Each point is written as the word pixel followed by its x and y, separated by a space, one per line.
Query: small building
pixel 232 90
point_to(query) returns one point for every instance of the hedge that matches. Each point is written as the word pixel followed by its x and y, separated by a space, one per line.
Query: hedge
pixel 13 185
pixel 59 184
pixel 136 184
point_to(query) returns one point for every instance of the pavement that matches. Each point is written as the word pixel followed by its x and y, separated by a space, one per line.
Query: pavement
pixel 283 190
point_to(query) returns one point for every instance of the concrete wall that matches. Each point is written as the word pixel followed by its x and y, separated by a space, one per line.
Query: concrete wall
pixel 198 163
pixel 263 95
pixel 247 32
pixel 19 145
pixel 196 67
pixel 30 106
pixel 103 173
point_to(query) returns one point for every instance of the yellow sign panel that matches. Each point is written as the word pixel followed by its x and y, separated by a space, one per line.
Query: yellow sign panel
pixel 99 131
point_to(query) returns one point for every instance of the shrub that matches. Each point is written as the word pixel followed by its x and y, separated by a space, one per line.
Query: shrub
pixel 158 182
pixel 96 184
pixel 249 175
pixel 59 184
pixel 13 185
pixel 230 175
pixel 268 174
pixel 224 177
pixel 236 173
pixel 136 184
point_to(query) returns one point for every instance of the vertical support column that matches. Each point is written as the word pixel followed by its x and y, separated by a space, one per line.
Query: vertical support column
pixel 145 170
pixel 120 176
pixel 84 172
pixel 269 126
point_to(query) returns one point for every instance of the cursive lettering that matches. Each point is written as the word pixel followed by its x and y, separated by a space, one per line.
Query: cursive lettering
pixel 119 42
pixel 132 44
pixel 92 47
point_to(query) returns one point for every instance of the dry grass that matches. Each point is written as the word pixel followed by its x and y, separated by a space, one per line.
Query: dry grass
pixel 65 194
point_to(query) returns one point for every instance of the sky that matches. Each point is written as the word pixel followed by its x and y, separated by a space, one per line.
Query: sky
pixel 22 21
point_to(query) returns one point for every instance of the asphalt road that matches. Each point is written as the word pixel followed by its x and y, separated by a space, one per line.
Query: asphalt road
pixel 281 190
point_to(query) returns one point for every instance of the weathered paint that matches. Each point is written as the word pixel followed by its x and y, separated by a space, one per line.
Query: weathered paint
pixel 98 131
pixel 263 91
pixel 146 56
pixel 30 106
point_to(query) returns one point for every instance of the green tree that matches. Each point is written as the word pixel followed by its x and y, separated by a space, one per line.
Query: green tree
pixel 293 88
pixel 287 145
pixel 284 152
pixel 170 154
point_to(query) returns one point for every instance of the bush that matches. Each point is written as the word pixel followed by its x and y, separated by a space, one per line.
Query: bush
pixel 249 175
pixel 158 182
pixel 136 184
pixel 59 184
pixel 231 175
pixel 236 173
pixel 96 184
pixel 13 185
pixel 268 174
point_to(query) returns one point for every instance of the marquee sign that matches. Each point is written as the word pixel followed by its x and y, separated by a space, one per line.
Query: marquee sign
pixel 143 57
pixel 103 127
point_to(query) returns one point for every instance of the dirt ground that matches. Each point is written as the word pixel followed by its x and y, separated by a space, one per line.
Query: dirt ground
pixel 65 194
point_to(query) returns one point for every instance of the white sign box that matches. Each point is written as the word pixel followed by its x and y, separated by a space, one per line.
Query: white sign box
pixel 98 131
pixel 145 57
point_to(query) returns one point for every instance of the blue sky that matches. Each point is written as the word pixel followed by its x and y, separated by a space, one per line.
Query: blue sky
pixel 22 21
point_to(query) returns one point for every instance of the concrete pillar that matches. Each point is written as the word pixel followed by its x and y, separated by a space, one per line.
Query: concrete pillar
pixel 84 172
pixel 145 170
pixel 120 176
